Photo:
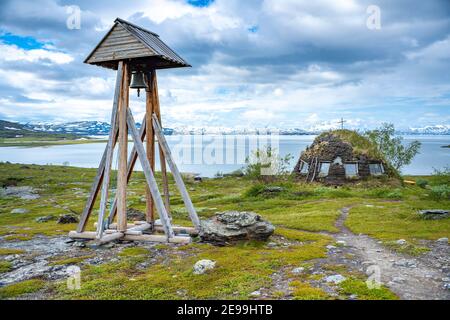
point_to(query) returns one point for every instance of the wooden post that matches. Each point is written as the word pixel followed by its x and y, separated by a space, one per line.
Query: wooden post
pixel 109 151
pixel 122 170
pixel 131 162
pixel 150 150
pixel 149 176
pixel 162 158
pixel 176 174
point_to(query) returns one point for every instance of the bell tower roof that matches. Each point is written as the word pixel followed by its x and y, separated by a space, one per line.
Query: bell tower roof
pixel 142 48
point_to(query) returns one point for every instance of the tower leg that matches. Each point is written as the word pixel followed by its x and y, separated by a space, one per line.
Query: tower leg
pixel 123 147
pixel 150 148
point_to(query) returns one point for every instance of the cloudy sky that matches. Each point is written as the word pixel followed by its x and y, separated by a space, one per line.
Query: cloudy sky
pixel 256 63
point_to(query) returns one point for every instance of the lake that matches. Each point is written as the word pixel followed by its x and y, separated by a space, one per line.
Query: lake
pixel 208 154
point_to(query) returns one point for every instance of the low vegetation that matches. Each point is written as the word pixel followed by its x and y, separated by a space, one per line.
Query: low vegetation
pixel 304 215
pixel 21 288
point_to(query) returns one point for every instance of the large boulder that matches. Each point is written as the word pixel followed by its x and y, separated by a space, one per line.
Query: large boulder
pixel 233 226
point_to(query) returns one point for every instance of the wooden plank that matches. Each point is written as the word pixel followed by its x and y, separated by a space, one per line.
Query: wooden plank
pixel 158 238
pixel 176 229
pixel 131 163
pixel 150 148
pixel 176 174
pixel 149 176
pixel 190 231
pixel 162 158
pixel 123 154
pixel 142 227
pixel 110 149
pixel 83 235
pixel 145 237
pixel 110 237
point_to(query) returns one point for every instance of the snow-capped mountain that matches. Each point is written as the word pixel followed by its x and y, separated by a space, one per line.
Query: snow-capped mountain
pixel 85 128
pixel 436 129
pixel 82 128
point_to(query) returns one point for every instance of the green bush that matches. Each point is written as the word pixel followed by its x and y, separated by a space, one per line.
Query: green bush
pixel 266 165
pixel 422 183
pixel 395 194
pixel 268 191
pixel 440 192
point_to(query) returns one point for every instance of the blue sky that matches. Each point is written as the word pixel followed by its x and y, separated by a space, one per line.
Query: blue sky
pixel 256 63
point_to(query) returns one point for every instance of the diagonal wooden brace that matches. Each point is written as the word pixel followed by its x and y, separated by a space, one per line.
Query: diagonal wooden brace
pixel 176 174
pixel 151 181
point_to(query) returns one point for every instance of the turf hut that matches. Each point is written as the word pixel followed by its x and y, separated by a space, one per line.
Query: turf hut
pixel 340 156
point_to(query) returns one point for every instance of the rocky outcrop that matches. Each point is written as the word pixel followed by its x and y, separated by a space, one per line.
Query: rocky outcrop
pixel 231 226
pixel 434 214
pixel 24 192
pixel 68 218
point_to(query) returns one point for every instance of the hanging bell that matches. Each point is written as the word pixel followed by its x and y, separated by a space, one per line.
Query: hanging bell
pixel 137 81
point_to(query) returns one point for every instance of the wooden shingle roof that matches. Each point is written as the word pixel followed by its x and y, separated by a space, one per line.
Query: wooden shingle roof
pixel 142 48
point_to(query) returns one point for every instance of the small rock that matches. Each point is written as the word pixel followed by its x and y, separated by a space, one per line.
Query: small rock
pixel 434 214
pixel 337 278
pixel 271 244
pixel 353 297
pixel 201 266
pixel 405 263
pixel 68 218
pixel 442 240
pixel 401 242
pixel 341 243
pixel 298 270
pixel 273 189
pixel 19 210
pixel 45 219
pixel 398 279
pixel 446 279
pixel 256 293
pixel 79 244
pixel 447 286
pixel 330 247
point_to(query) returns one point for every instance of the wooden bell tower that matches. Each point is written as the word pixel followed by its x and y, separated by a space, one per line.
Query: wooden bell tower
pixel 130 49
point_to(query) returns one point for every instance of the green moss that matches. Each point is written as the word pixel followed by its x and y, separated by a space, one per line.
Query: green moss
pixel 361 145
pixel 18 237
pixel 20 288
pixel 5 266
pixel 8 251
pixel 359 287
pixel 134 251
pixel 304 291
pixel 239 270
pixel 408 248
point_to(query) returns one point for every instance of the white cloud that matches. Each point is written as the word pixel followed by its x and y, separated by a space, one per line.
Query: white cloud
pixel 14 53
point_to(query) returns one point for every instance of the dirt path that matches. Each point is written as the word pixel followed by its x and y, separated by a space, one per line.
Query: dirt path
pixel 408 277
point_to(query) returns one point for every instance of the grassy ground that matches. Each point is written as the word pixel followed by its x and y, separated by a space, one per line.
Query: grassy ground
pixel 383 209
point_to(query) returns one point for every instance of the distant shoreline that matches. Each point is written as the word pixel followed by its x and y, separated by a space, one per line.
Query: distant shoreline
pixel 45 142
